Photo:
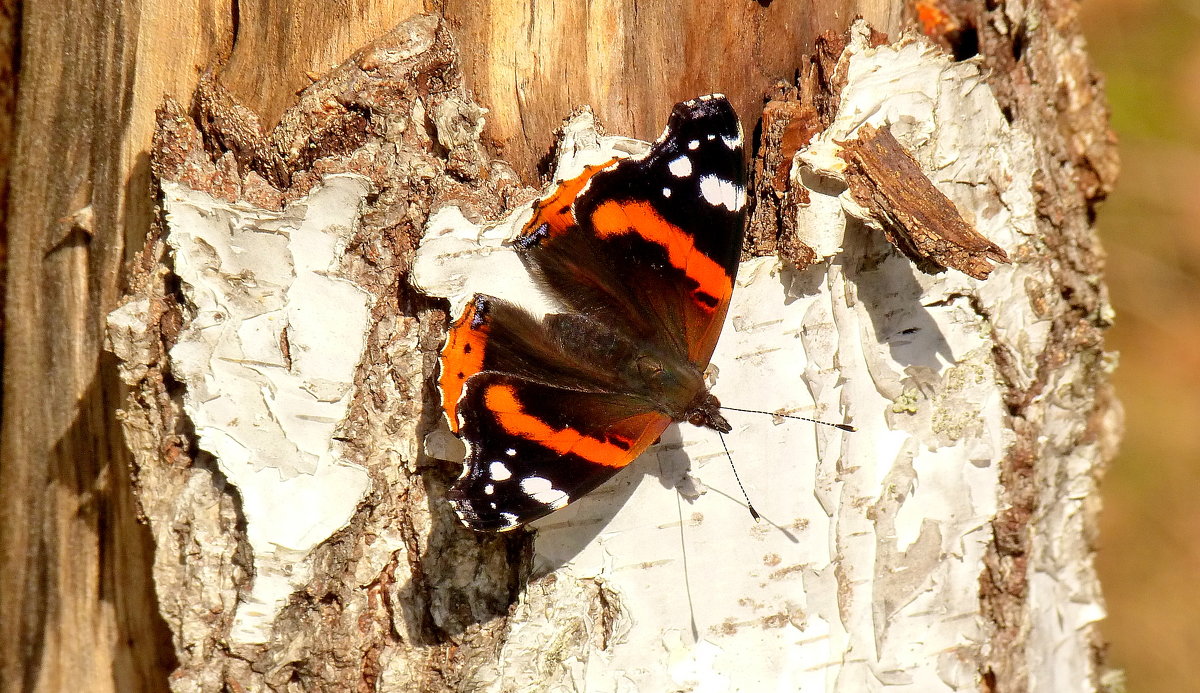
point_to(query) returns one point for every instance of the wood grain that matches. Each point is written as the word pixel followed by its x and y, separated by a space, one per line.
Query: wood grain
pixel 531 64
pixel 80 613
pixel 629 61
pixel 281 46
pixel 8 107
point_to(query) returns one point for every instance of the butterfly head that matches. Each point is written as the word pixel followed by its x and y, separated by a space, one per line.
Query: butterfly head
pixel 705 411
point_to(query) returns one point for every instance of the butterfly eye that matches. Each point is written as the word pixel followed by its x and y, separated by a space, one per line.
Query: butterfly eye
pixel 696 419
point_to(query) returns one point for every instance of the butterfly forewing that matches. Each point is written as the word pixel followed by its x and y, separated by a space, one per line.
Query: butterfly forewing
pixel 656 239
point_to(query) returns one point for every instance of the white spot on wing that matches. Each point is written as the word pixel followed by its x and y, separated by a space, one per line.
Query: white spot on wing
pixel 681 167
pixel 732 142
pixel 498 471
pixel 719 192
pixel 711 136
pixel 489 489
pixel 511 452
pixel 542 491
pixel 666 192
pixel 510 520
pixel 694 144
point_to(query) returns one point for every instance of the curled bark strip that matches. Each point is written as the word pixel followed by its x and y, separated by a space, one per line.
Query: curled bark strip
pixel 917 217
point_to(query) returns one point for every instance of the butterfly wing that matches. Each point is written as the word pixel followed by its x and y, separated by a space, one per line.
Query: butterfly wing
pixel 546 408
pixel 572 351
pixel 533 447
pixel 652 242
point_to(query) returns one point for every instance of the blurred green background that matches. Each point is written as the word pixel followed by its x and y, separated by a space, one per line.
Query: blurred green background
pixel 1149 51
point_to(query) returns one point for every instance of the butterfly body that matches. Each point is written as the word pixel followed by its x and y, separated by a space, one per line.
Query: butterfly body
pixel 641 254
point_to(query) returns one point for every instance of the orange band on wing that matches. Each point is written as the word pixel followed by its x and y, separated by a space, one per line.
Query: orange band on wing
pixel 462 357
pixel 555 209
pixel 613 218
pixel 502 401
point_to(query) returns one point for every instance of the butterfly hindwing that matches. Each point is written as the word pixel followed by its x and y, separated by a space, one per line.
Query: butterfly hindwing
pixel 546 408
pixel 570 350
pixel 495 335
pixel 533 447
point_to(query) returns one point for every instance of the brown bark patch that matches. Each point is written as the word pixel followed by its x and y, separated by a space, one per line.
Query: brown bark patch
pixel 917 218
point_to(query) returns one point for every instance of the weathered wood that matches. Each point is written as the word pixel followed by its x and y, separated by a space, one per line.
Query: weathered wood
pixel 8 107
pixel 80 612
pixel 281 47
pixel 529 64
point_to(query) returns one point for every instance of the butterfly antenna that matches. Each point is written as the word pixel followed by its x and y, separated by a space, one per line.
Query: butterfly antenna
pixel 749 505
pixel 843 427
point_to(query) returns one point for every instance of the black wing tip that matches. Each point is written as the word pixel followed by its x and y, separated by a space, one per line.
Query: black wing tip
pixel 711 114
pixel 707 106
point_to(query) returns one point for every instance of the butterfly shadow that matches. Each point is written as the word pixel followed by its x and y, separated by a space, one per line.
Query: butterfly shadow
pixel 888 286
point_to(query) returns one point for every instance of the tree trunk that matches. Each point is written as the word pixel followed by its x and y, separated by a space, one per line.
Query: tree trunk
pixel 277 363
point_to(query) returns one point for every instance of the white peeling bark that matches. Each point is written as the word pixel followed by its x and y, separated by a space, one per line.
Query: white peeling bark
pixel 267 356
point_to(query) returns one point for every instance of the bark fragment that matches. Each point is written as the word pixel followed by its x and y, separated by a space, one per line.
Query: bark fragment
pixel 917 217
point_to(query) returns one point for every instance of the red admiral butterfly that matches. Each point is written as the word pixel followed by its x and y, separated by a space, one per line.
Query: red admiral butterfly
pixel 641 252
